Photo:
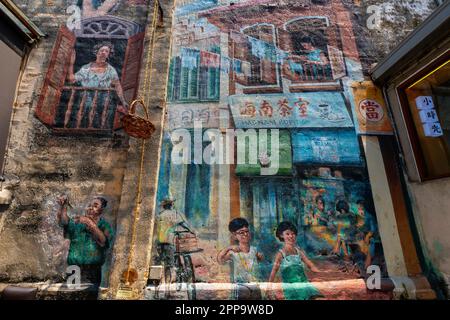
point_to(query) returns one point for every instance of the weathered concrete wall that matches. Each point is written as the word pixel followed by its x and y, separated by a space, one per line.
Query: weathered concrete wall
pixel 32 245
pixel 142 227
pixel 430 203
pixel 242 33
pixel 393 20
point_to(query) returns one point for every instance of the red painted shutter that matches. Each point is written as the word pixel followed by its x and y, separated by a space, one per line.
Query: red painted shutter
pixel 337 62
pixel 130 71
pixel 285 44
pixel 268 68
pixel 284 40
pixel 56 76
pixel 132 66
pixel 241 52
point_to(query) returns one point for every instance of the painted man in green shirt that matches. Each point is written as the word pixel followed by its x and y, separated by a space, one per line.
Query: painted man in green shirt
pixel 90 237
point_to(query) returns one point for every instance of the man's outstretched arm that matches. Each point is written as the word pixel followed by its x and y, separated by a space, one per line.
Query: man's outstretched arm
pixel 63 218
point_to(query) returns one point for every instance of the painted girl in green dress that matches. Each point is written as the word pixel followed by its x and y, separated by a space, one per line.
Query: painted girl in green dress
pixel 291 260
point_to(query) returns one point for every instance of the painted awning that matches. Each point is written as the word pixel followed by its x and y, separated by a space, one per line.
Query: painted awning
pixel 253 168
pixel 326 147
pixel 295 110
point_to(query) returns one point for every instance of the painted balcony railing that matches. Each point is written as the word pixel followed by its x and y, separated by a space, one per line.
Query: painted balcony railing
pixel 299 72
pixel 86 109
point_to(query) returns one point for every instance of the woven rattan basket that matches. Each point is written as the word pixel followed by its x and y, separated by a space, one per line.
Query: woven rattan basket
pixel 137 126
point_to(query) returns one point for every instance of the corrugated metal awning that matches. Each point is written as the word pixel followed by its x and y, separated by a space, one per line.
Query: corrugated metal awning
pixel 16 29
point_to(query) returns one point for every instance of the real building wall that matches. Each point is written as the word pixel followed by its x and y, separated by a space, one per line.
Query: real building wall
pixel 47 165
pixel 32 244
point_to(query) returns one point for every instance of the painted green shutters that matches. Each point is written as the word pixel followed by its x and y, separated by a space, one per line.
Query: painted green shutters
pixel 213 83
pixel 170 85
pixel 192 82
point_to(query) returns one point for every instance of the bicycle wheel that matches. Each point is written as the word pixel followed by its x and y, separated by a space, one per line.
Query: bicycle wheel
pixel 189 277
pixel 179 270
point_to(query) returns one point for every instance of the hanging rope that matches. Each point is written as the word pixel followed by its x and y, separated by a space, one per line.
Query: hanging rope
pixel 130 275
pixel 149 65
pixel 164 100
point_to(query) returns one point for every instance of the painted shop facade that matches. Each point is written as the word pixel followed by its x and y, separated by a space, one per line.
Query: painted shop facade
pixel 275 169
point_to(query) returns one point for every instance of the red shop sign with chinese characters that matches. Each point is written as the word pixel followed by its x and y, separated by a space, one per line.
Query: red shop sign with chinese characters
pixel 371 113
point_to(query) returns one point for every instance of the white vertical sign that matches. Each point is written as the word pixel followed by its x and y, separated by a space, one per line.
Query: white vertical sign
pixel 428 116
pixel 424 103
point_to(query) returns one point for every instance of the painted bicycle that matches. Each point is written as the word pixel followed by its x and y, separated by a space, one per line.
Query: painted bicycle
pixel 177 259
pixel 186 245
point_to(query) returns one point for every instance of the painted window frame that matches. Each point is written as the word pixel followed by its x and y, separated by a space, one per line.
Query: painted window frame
pixel 331 84
pixel 189 78
pixel 47 110
pixel 203 81
pixel 277 87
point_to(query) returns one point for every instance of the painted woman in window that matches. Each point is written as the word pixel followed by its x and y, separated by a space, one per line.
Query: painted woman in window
pixel 311 61
pixel 313 54
pixel 96 78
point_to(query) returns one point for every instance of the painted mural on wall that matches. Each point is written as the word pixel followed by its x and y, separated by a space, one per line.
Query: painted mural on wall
pixel 90 236
pixel 286 67
pixel 92 77
pixel 95 8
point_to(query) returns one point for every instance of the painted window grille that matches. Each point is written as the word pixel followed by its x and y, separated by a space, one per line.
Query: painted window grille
pixel 260 54
pixel 73 108
pixel 313 47
pixel 254 56
pixel 195 77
